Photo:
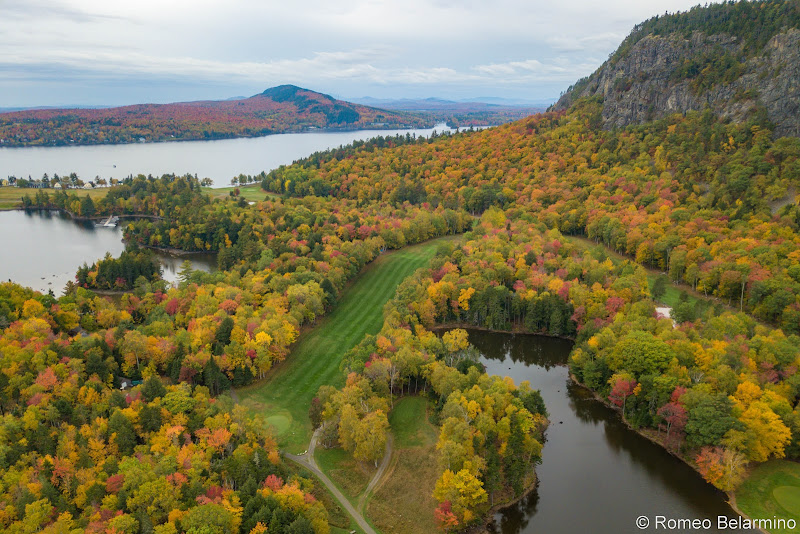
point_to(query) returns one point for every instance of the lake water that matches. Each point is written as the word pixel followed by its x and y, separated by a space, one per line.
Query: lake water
pixel 42 249
pixel 219 160
pixel 596 476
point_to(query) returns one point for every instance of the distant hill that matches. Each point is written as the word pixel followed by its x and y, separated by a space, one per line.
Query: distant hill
pixel 738 59
pixel 286 108
pixel 458 113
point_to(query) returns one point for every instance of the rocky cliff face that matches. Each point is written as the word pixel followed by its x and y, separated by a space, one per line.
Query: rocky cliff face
pixel 651 80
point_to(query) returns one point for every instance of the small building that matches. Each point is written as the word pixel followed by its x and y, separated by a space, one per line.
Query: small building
pixel 665 313
pixel 125 383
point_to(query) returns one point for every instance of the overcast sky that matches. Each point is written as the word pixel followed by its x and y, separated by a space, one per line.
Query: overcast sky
pixel 110 52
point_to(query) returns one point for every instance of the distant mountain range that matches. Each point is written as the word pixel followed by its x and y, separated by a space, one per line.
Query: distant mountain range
pixel 281 109
pixel 285 108
pixel 485 111
pixel 439 104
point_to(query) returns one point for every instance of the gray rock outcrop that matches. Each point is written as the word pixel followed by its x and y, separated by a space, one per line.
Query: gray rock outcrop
pixel 643 84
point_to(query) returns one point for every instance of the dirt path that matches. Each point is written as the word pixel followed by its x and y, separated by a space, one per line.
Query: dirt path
pixel 307 460
pixel 378 477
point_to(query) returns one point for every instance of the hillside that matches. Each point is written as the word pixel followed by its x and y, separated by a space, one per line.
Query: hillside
pixel 281 109
pixel 740 59
pixel 553 225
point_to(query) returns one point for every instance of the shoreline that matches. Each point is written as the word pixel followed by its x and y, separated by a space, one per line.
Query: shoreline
pixel 731 495
pixel 513 331
pixel 483 526
pixel 324 129
pixel 86 219
pixel 179 253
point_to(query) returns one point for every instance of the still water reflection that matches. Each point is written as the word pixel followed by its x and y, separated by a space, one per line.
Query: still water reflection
pixel 43 249
pixel 596 474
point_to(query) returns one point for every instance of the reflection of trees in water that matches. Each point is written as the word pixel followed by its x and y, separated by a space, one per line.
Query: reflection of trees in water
pixel 516 517
pixel 663 468
pixel 542 351
pixel 585 406
pixel 615 444
pixel 49 215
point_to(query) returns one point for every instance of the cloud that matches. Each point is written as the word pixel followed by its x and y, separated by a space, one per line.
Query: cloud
pixel 29 9
pixel 559 69
pixel 369 64
pixel 500 46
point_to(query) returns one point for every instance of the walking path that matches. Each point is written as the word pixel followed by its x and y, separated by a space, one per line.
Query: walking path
pixel 378 477
pixel 308 461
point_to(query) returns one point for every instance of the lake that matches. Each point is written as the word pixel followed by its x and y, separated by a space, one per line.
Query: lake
pixel 43 249
pixel 219 160
pixel 48 248
pixel 596 474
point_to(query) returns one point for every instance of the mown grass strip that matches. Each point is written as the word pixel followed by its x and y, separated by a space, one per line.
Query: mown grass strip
pixel 315 360
pixel 772 491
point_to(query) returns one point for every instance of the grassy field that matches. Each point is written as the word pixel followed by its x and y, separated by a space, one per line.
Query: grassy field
pixel 409 422
pixel 404 504
pixel 349 475
pixel 672 295
pixel 10 196
pixel 339 520
pixel 772 490
pixel 315 360
pixel 252 193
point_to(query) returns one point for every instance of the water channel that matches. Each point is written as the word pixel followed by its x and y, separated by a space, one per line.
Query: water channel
pixel 596 475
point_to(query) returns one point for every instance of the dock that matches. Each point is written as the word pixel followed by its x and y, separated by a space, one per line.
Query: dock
pixel 111 222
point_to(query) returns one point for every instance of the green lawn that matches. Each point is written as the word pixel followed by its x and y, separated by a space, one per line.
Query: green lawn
pixel 252 192
pixel 315 360
pixel 772 490
pixel 672 295
pixel 409 422
pixel 404 503
pixel 10 196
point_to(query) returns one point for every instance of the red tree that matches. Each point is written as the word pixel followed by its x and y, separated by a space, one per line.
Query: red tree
pixel 620 392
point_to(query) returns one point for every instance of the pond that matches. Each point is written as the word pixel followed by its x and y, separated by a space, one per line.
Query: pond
pixel 42 249
pixel 596 474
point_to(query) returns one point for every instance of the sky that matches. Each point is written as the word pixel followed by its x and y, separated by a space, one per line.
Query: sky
pixel 110 52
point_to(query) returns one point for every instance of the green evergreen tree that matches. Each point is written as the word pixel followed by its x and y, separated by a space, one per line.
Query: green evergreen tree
pixel 125 434
pixel 152 389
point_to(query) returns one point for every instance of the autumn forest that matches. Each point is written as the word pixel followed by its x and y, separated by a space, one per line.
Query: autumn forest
pixel 129 404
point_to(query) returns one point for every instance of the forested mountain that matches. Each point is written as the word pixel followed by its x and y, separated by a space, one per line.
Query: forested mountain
pixel 739 58
pixel 285 108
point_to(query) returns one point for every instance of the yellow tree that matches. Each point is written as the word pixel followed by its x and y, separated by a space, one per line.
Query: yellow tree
pixel 766 435
pixel 463 490
pixel 370 437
